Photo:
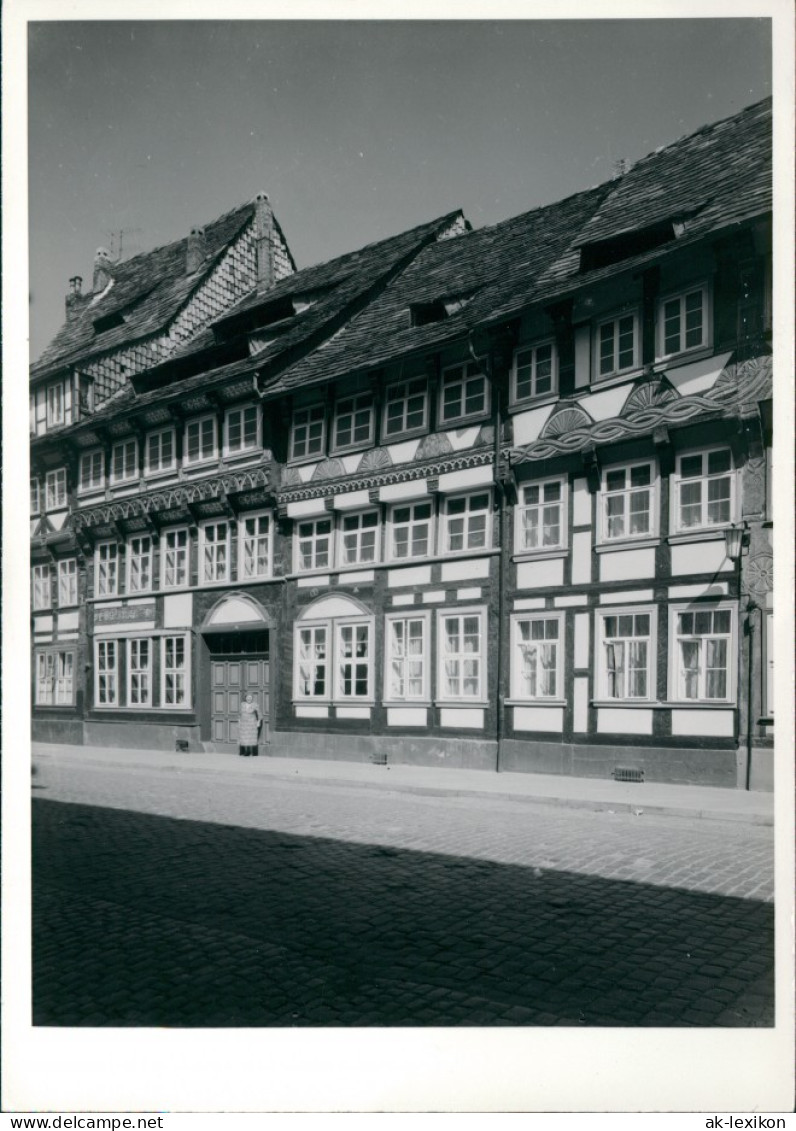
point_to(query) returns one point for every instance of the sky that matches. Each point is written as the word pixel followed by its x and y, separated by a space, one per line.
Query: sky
pixel 356 129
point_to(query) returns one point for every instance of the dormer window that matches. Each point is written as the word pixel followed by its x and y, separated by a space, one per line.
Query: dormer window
pixel 108 322
pixel 425 313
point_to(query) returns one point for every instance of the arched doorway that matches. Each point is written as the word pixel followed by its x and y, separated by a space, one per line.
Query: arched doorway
pixel 237 633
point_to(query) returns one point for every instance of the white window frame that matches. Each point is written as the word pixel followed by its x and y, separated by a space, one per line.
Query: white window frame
pixel 55 490
pixel 313 539
pixel 444 697
pixel 181 553
pixel 390 696
pixel 465 517
pixel 304 416
pixel 341 626
pixel 253 541
pixel 53 676
pixel 681 296
pixel 41 587
pixel 133 557
pixel 558 641
pixel 202 455
pixel 56 393
pixel 210 556
pixel 110 648
pixel 129 466
pixel 677 482
pixel 676 671
pixel 627 493
pixel 67 580
pixel 616 368
pixel 540 508
pixel 359 402
pixel 357 534
pixel 533 349
pixel 244 447
pixel 393 525
pixel 143 671
pixel 155 439
pixel 175 670
pixel 462 374
pixel 405 391
pixel 602 640
pixel 35 496
pixel 88 462
pixel 313 630
pixel 333 628
pixel 106 561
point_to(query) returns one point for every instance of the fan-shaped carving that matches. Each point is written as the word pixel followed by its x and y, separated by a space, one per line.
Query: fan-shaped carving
pixel 485 437
pixel 648 394
pixel 290 477
pixel 329 469
pixel 375 459
pixel 436 444
pixel 567 420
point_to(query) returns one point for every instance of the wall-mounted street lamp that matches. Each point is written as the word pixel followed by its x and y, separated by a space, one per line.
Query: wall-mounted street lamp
pixel 734 540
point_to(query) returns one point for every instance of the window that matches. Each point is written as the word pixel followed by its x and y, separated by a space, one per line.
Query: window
pixel 541 516
pixel 255 546
pixel 467 522
pixel 107 668
pixel 703 651
pixel 55 680
pixel 359 538
pixel 174 672
pixel 215 552
pixel 106 563
pixel 534 371
pixel 354 660
pixel 314 543
pixel 175 558
pixel 308 433
pixel 243 429
pixel 406 407
pixel 312 659
pixel 55 489
pixel 67 582
pixel 463 392
pixel 42 595
pixel 625 652
pixel 200 440
pixel 35 502
pixel 124 461
pixel 628 496
pixel 617 345
pixel 683 322
pixel 353 421
pixel 406 666
pixel 537 655
pixel 92 470
pixel 704 488
pixel 461 656
pixel 139 673
pixel 38 412
pixel 160 452
pixel 411 531
pixel 55 405
pixel 139 564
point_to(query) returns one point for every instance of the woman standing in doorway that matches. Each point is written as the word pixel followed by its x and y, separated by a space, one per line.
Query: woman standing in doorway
pixel 248 728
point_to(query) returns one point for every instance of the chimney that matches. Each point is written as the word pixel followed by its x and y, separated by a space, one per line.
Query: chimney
pixel 195 252
pixel 75 300
pixel 103 270
pixel 264 241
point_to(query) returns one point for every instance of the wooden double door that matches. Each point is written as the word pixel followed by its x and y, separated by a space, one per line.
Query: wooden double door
pixel 237 671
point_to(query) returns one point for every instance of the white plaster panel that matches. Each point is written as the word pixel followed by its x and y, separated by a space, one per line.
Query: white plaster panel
pixel 581 503
pixel 468 594
pixel 528 425
pixel 312 582
pixel 337 605
pixel 714 589
pixel 606 405
pixel 718 724
pixel 404 452
pixel 43 624
pixel 433 596
pixel 529 603
pixel 306 471
pixel 404 599
pixel 64 636
pixel 115 630
pixel 414 575
pixel 107 604
pixel 353 712
pixel 394 492
pixel 357 577
pixel 465 570
pixel 463 438
pixel 178 610
pixel 698 376
pixel 581 557
pixel 68 620
pixel 625 565
pixel 539 718
pixel 466 477
pixel 570 599
pixel 615 720
pixel 407 717
pixel 303 508
pixel 232 610
pixel 351 462
pixel 700 557
pixel 580 702
pixel 131 602
pixel 469 718
pixel 534 575
pixel 311 711
pixel 57 520
pixel 626 596
pixel 582 356
pixel 44 638
pixel 581 640
pixel 351 500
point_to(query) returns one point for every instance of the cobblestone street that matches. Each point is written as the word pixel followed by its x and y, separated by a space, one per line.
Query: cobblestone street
pixel 209 898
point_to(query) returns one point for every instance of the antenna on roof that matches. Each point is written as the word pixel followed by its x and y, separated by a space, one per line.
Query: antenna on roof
pixel 117 241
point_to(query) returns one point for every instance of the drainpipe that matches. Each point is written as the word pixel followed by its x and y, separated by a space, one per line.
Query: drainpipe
pixel 499 723
pixel 751 608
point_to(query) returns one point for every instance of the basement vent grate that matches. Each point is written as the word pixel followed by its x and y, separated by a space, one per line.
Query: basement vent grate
pixel 181 746
pixel 628 773
pixel 379 759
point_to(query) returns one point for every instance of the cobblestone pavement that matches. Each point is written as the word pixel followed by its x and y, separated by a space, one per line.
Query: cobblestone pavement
pixel 190 899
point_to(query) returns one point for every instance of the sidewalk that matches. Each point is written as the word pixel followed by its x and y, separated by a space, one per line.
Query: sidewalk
pixel 545 789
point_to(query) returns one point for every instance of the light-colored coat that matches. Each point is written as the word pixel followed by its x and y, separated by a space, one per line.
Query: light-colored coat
pixel 249 720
